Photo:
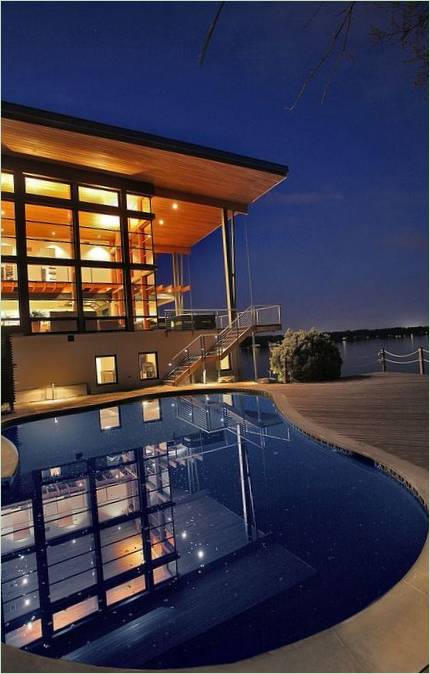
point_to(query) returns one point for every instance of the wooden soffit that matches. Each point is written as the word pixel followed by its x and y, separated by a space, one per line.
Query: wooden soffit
pixel 175 169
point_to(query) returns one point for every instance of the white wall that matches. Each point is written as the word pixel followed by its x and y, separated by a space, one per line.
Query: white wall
pixel 41 359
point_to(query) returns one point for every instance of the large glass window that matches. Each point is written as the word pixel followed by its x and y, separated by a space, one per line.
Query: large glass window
pixel 157 479
pixel 162 533
pixel 66 507
pixel 47 188
pixel 71 567
pixel 124 590
pixel 103 297
pixel 122 548
pixel 110 418
pixel 148 366
pixel 74 613
pixel 17 529
pixel 52 293
pixel 98 195
pixel 9 294
pixel 140 241
pixel 49 232
pixel 20 587
pixel 106 370
pixel 8 234
pixel 138 202
pixel 50 219
pixel 117 491
pixel 151 410
pixel 7 182
pixel 100 237
pixel 165 572
pixel 144 299
pixel 25 634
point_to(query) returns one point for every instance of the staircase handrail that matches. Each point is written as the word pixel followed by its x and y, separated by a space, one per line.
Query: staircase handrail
pixel 244 320
pixel 183 355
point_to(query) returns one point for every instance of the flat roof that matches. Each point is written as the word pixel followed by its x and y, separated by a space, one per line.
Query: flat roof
pixel 174 168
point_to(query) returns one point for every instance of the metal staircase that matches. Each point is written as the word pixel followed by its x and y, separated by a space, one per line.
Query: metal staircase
pixel 215 347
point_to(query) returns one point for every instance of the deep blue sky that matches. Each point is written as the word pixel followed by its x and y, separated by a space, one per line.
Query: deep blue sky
pixel 343 242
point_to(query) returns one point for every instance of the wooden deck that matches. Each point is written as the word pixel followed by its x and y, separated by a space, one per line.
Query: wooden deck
pixel 386 410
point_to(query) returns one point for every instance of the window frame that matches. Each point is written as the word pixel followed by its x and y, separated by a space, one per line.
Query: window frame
pixel 107 355
pixel 22 169
pixel 144 353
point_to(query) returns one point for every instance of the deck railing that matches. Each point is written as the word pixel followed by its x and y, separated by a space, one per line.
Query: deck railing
pixel 422 359
pixel 218 319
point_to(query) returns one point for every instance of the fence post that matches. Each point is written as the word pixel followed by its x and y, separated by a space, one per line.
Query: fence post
pixel 203 354
pixel 421 360
pixel 383 361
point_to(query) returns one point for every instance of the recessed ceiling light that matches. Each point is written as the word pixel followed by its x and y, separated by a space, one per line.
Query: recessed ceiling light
pixel 175 206
pixel 161 222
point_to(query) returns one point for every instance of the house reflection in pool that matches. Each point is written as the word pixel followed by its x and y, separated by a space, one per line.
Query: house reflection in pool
pixel 102 530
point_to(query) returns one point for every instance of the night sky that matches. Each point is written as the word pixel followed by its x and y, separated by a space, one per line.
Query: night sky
pixel 343 242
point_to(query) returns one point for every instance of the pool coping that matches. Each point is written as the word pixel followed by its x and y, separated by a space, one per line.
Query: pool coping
pixel 389 635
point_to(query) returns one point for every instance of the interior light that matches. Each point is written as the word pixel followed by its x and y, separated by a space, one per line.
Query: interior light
pixel 29 626
pixel 161 222
pixel 175 206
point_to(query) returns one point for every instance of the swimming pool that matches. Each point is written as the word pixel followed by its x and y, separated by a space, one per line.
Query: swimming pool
pixel 178 526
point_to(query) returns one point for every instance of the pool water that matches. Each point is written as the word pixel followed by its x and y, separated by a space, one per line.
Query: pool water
pixel 180 526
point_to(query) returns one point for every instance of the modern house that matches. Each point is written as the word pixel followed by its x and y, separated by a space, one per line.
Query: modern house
pixel 86 211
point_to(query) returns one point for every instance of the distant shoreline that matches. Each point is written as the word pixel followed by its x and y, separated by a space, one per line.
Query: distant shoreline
pixel 351 335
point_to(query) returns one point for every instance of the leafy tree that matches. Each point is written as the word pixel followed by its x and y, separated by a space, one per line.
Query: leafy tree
pixel 306 356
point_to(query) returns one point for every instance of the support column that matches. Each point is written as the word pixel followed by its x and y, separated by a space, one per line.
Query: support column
pixel 177 272
pixel 246 488
pixel 229 263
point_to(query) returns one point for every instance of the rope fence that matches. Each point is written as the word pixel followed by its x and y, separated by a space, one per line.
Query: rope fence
pixel 421 360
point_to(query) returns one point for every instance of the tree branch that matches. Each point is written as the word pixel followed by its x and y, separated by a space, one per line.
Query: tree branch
pixel 346 22
pixel 210 33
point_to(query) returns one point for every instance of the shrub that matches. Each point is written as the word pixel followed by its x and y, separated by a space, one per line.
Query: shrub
pixel 306 356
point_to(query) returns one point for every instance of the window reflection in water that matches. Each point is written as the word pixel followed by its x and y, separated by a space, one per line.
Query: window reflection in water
pixel 111 527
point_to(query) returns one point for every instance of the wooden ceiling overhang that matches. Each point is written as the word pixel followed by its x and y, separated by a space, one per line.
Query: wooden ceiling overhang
pixel 201 180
